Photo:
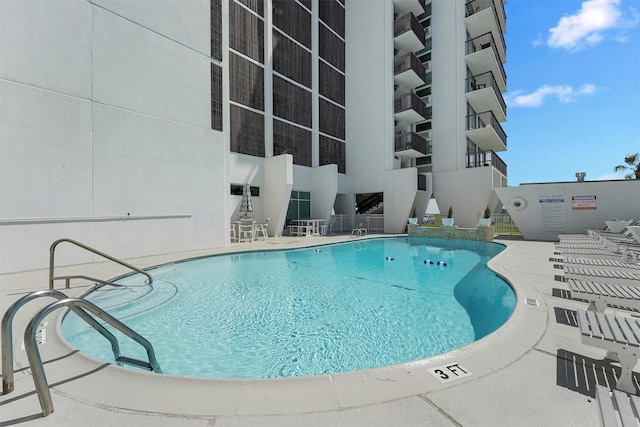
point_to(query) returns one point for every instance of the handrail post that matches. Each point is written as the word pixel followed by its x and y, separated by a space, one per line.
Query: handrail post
pixel 90 249
pixel 33 353
pixel 6 329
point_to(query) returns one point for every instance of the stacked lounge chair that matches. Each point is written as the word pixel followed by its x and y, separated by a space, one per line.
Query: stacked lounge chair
pixel 603 267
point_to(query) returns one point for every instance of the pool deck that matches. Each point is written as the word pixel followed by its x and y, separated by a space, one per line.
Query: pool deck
pixel 521 375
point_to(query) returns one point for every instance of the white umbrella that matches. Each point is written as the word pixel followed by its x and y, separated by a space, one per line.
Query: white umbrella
pixel 432 207
pixel 246 205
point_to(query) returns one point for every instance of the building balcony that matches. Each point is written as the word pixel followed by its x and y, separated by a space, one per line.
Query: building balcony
pixel 486 158
pixel 485 131
pixel 487 15
pixel 409 108
pixel 402 7
pixel 408 34
pixel 482 56
pixel 408 71
pixel 411 145
pixel 483 94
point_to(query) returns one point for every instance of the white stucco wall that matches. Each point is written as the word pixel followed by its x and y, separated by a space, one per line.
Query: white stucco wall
pixel 542 216
pixel 106 112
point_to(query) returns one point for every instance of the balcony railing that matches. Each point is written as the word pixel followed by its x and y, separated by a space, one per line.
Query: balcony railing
pixel 407 63
pixel 485 80
pixel 487 119
pixel 404 6
pixel 486 158
pixel 407 23
pixel 475 6
pixel 482 42
pixel 410 101
pixel 411 143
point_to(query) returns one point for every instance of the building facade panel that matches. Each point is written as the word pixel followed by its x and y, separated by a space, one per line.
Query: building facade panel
pixel 293 20
pixel 332 151
pixel 216 97
pixel 291 139
pixel 216 29
pixel 291 60
pixel 332 119
pixel 331 83
pixel 331 48
pixel 332 13
pixel 291 102
pixel 247 132
pixel 246 82
pixel 246 32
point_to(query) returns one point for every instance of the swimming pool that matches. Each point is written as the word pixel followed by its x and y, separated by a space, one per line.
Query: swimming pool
pixel 311 311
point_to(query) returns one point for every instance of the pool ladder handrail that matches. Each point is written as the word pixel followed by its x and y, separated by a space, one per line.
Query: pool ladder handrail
pixel 78 306
pixel 67 279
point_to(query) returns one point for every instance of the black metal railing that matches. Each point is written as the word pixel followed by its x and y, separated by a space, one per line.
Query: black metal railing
pixel 486 158
pixel 406 23
pixel 482 42
pixel 481 120
pixel 366 202
pixel 410 141
pixel 475 6
pixel 409 101
pixel 484 80
pixel 409 61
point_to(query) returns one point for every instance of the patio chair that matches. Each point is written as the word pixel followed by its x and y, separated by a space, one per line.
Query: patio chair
pixel 233 236
pixel 261 230
pixel 246 230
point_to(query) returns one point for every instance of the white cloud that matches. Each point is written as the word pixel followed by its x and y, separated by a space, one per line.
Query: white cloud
pixel 587 26
pixel 610 177
pixel 565 94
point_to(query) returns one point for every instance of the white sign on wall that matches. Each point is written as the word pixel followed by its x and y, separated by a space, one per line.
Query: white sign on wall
pixel 552 216
pixel 583 203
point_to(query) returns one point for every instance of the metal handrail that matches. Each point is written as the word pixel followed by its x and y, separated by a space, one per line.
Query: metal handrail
pixel 90 249
pixel 33 353
pixel 6 332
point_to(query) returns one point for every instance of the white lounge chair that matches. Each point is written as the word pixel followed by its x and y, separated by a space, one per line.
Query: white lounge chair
pixel 600 295
pixel 618 277
pixel 617 335
pixel 601 263
pixel 617 408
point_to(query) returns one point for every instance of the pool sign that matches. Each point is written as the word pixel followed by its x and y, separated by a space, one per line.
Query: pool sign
pixel 449 372
pixel 583 203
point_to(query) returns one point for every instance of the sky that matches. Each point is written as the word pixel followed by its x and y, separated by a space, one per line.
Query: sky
pixel 573 88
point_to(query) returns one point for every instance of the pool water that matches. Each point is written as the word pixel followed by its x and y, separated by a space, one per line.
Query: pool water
pixel 311 311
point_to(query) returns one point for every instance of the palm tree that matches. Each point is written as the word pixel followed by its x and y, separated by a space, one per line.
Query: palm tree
pixel 632 164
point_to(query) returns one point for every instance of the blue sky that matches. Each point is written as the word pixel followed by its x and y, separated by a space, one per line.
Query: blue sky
pixel 573 88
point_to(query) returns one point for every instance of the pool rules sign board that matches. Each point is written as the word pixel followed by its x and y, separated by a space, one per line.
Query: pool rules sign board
pixel 450 372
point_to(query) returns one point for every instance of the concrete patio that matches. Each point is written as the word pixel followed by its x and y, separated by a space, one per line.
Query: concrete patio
pixel 532 371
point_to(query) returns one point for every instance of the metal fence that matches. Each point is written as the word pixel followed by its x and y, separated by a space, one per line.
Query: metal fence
pixel 503 224
pixel 342 223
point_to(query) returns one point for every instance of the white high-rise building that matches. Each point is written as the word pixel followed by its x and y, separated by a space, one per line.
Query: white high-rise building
pixel 133 126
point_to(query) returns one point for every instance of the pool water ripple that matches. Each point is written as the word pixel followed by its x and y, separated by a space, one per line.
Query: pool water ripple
pixel 309 311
